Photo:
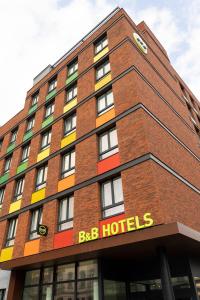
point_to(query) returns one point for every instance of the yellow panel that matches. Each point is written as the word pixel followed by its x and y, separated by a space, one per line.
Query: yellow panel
pixel 105 117
pixel 32 247
pixel 6 254
pixel 103 82
pixel 69 105
pixel 101 54
pixel 42 155
pixel 66 183
pixel 68 139
pixel 39 195
pixel 15 206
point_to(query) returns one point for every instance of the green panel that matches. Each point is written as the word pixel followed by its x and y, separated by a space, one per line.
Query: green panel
pixel 72 77
pixel 48 121
pixel 32 109
pixel 28 135
pixel 4 178
pixel 22 167
pixel 10 148
pixel 50 95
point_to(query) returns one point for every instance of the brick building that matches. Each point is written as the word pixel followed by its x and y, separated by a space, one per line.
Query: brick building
pixel 99 175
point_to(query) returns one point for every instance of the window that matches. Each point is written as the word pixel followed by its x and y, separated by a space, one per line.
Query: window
pixel 52 85
pixel 1 143
pixel 101 44
pixel 2 194
pixel 108 143
pixel 49 110
pixel 13 136
pixel 30 123
pixel 36 219
pixel 112 197
pixel 35 99
pixel 66 213
pixel 46 140
pixel 25 153
pixel 68 164
pixel 2 294
pixel 105 102
pixel 72 68
pixel 12 228
pixel 71 93
pixel 70 124
pixel 7 164
pixel 102 70
pixel 41 177
pixel 19 188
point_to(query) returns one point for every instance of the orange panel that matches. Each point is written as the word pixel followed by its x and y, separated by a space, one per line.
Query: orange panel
pixel 105 117
pixel 32 247
pixel 66 183
pixel 109 163
pixel 63 239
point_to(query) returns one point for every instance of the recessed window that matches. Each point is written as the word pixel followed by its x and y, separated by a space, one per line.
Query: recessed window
pixel 36 219
pixel 2 294
pixel 2 194
pixel 108 143
pixel 1 143
pixel 49 110
pixel 46 140
pixel 41 177
pixel 72 68
pixel 70 124
pixel 52 85
pixel 30 123
pixel 35 99
pixel 19 188
pixel 25 153
pixel 12 228
pixel 105 102
pixel 71 93
pixel 68 164
pixel 7 164
pixel 102 70
pixel 101 44
pixel 13 136
pixel 66 213
pixel 112 197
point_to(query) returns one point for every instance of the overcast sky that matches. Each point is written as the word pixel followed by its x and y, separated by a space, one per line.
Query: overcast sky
pixel 35 33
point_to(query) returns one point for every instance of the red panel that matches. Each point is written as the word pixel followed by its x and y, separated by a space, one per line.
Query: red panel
pixel 63 239
pixel 109 221
pixel 108 163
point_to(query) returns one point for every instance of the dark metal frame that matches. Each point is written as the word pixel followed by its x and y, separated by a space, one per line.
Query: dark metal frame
pixel 104 73
pixel 67 213
pixel 75 61
pixel 72 87
pixel 32 118
pixel 3 193
pixel 6 159
pixel 52 104
pixel 33 97
pixel 44 181
pixel 109 143
pixel 99 42
pixel 52 82
pixel 17 184
pixel 12 237
pixel 63 172
pixel 28 145
pixel 48 134
pixel 72 128
pixel 38 222
pixel 107 106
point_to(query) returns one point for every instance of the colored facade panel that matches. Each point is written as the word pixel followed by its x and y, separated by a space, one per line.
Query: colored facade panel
pixel 103 82
pixel 66 183
pixel 110 221
pixel 108 163
pixel 43 154
pixel 48 121
pixel 63 239
pixel 101 54
pixel 15 206
pixel 6 254
pixel 10 148
pixel 50 95
pixel 4 178
pixel 71 78
pixel 68 139
pixel 27 135
pixel 110 114
pixel 32 247
pixel 22 167
pixel 32 109
pixel 70 105
pixel 38 195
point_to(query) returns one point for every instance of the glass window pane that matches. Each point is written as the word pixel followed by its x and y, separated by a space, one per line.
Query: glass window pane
pixel 101 103
pixel 73 159
pixel 63 210
pixel 113 211
pixel 66 272
pixel 31 293
pixel 109 98
pixel 71 207
pixel 107 194
pixel 115 290
pixel 107 68
pixel 118 192
pixel 32 277
pixel 87 290
pixel 103 143
pixel 65 291
pixel 47 292
pixel 99 73
pixel 113 138
pixel 66 162
pixel 48 275
pixel 89 267
pixel 74 121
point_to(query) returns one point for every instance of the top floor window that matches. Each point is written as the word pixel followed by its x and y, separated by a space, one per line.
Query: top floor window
pixel 102 70
pixel 13 136
pixel 52 85
pixel 35 99
pixel 101 44
pixel 105 102
pixel 72 68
